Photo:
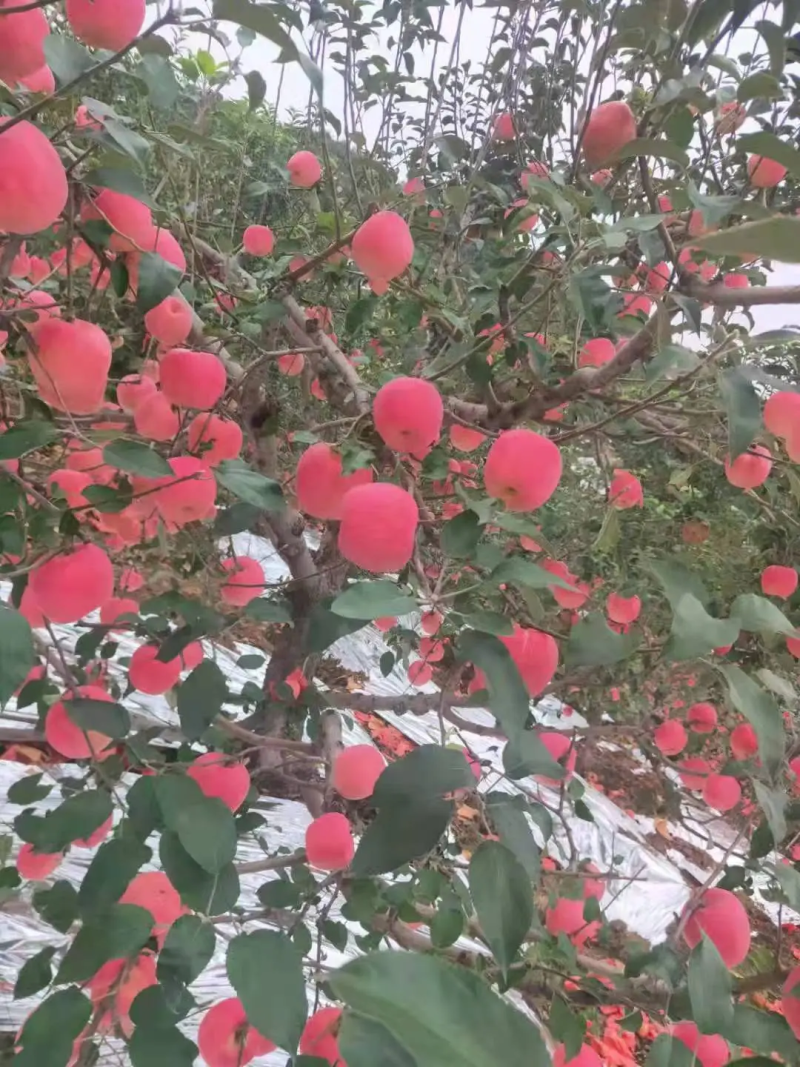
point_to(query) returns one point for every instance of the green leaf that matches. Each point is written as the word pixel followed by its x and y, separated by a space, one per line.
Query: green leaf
pixel 522 572
pixel 111 871
pixel 58 905
pixel 28 790
pixel 696 633
pixel 235 519
pixel 509 816
pixel 446 926
pixel 156 1040
pixel 489 622
pixel 777 237
pixel 427 772
pixel 460 535
pixel 266 971
pixel 503 898
pixel 773 803
pixel 258 18
pixel 566 1027
pixel 250 486
pixel 667 1051
pixel 162 86
pixel 25 437
pixel 66 57
pixel 74 820
pixel 508 697
pixel 49 1033
pixel 401 833
pixel 442 1014
pixel 771 147
pixel 121 180
pixel 526 754
pixel 762 1031
pixel 209 894
pixel 676 580
pixel 120 931
pixel 35 974
pixel 324 627
pixel 709 988
pixel 200 699
pixel 135 457
pixel 760 85
pixel 775 40
pixel 756 614
pixel 592 643
pixel 158 279
pixel 761 711
pixel 373 600
pixel 204 825
pixel 105 716
pixel 131 142
pixel 743 408
pixel 256 89
pixel 670 361
pixel 652 146
pixel 17 654
pixel 263 610
pixel 364 1042
pixel 187 951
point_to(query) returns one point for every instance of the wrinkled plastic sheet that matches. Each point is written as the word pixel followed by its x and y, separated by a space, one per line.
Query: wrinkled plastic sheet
pixel 647 893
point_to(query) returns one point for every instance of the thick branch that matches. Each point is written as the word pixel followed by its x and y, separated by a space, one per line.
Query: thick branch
pixel 723 296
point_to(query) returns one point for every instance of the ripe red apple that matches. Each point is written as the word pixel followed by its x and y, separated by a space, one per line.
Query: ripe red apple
pixel 408 415
pixel 320 484
pixel 572 598
pixel 214 438
pixel 623 610
pixel 356 771
pixel 751 469
pixel 71 363
pixel 72 584
pixel 670 737
pixel 764 173
pixel 722 918
pixel 225 1039
pixel 170 322
pixel 319 1037
pixel 150 675
pixel 245 580
pixel 535 655
pixel 155 418
pixel 596 352
pixel 67 738
pixel 192 379
pixel 782 414
pixel 258 241
pixel 383 247
pixel 778 581
pixel 110 24
pixel 694 771
pixel 609 128
pixel 465 439
pixel 21 44
pixel 230 782
pixel 722 792
pixel 304 169
pixel 35 866
pixel 625 491
pixel 378 527
pixel 743 741
pixel 504 128
pixel 329 843
pixel 522 469
pixel 702 718
pixel 566 917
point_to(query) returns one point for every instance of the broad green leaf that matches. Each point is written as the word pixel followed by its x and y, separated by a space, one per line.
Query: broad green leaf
pixel 105 716
pixel 566 1027
pixel 135 457
pixel 756 614
pixel 770 146
pixel 66 57
pixel 775 39
pixel 57 906
pixel 653 146
pixel 113 868
pixel 76 819
pixel 668 1051
pixel 460 535
pixel 760 85
pixel 696 633
pixel 268 610
pixel 761 711
pixel 25 437
pixel 248 485
pixel 131 142
pixel 119 931
pixel 669 362
pixel 709 988
pixel 510 819
pixel 777 238
pixel 200 699
pixel 256 89
pixel 365 1043
pixel 508 697
pixel 187 951
pixel 761 1031
pixel 209 894
pixel 121 180
pixel 743 408
pixel 28 790
pixel 403 831
pixel 523 572
pixel 35 973
pixel 204 825
pixel 442 1014
pixel 49 1033
pixel 676 580
pixel 773 803
pixel 17 654
pixel 266 971
pixel 162 85
pixel 235 519
pixel 592 643
pixel 427 772
pixel 373 600
pixel 526 754
pixel 258 18
pixel 503 898
pixel 324 627
pixel 490 622
pixel 158 279
pixel 156 1040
